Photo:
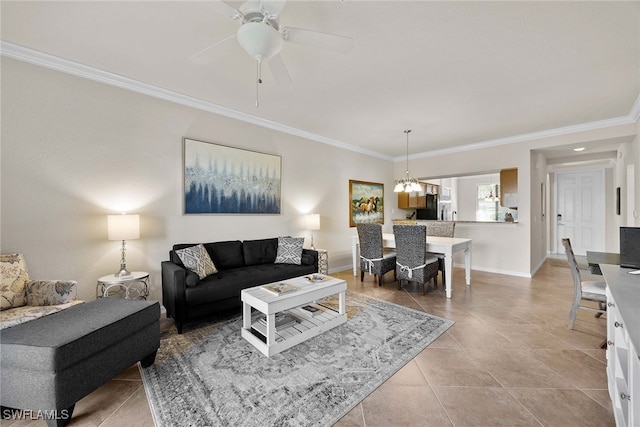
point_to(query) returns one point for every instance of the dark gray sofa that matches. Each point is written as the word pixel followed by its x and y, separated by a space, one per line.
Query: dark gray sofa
pixel 240 265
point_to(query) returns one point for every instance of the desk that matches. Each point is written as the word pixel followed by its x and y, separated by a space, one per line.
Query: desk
pixel 594 259
pixel 441 245
pixel 623 337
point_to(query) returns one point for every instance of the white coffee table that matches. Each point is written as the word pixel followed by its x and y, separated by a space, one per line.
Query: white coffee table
pixel 306 327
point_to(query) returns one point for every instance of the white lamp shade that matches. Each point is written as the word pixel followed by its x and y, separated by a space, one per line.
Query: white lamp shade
pixel 123 227
pixel 312 221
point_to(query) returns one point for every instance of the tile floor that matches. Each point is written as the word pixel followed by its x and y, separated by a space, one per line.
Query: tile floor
pixel 509 360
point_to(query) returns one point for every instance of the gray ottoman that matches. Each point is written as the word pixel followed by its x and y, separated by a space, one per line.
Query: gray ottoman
pixel 50 363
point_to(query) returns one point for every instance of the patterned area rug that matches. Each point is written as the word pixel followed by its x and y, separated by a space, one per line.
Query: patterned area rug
pixel 211 376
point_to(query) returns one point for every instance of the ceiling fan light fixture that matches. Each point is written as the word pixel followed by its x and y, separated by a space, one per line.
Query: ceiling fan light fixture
pixel 261 41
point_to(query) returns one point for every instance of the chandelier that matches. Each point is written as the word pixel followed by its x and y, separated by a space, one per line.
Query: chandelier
pixel 490 197
pixel 407 184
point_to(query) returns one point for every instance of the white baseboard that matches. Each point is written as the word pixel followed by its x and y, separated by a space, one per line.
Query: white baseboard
pixel 487 270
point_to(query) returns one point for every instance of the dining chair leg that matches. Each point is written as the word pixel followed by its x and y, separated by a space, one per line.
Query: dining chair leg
pixel 380 279
pixel 602 306
pixel 362 275
pixel 574 313
pixel 399 282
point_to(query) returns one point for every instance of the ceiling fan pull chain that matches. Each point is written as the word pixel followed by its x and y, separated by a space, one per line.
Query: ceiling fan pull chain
pixel 258 79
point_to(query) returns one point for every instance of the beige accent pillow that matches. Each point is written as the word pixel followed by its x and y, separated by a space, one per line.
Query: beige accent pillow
pixel 13 283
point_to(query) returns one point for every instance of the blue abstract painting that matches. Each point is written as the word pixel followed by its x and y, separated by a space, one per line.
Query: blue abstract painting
pixel 226 180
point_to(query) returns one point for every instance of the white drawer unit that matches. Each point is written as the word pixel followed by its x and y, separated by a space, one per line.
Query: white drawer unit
pixel 623 363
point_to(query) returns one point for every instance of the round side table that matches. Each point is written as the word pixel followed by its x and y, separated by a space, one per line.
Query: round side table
pixel 323 261
pixel 135 286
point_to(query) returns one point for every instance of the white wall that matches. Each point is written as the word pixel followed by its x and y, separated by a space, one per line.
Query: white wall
pixel 539 217
pixel 74 151
pixel 502 248
pixel 632 157
pixel 513 248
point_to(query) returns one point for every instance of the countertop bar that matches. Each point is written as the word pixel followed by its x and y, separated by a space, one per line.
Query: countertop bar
pixel 625 289
pixel 486 222
pixel 423 221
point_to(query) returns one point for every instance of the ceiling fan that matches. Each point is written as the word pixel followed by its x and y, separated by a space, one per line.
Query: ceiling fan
pixel 262 37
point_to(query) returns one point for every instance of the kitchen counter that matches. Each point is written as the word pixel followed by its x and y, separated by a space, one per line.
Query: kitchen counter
pixel 419 221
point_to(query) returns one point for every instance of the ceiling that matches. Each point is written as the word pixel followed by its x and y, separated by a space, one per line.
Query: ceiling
pixel 456 73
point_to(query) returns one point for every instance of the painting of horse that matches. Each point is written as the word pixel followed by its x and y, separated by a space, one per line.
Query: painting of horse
pixel 366 202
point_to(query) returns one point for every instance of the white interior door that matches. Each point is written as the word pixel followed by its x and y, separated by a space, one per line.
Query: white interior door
pixel 581 210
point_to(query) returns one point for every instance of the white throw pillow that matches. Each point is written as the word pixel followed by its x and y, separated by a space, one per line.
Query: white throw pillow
pixel 197 259
pixel 289 250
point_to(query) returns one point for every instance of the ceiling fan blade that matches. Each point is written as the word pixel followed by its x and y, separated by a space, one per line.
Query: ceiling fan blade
pixel 273 7
pixel 279 70
pixel 326 41
pixel 209 54
pixel 227 9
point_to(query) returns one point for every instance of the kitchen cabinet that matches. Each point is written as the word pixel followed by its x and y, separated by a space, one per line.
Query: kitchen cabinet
pixel 413 200
pixel 403 200
pixel 509 188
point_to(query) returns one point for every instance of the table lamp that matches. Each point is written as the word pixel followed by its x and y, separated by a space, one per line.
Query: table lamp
pixel 123 227
pixel 312 222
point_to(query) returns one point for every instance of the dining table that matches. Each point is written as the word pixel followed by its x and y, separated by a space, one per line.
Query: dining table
pixel 446 246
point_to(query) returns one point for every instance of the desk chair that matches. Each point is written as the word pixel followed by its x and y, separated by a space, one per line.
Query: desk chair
pixel 583 290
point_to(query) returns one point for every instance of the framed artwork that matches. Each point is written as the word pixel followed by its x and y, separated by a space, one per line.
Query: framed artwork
pixel 366 202
pixel 226 180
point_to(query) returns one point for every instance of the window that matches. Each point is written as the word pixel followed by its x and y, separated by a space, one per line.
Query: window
pixel 488 204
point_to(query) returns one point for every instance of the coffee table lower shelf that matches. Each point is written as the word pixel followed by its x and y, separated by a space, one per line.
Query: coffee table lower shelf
pixel 305 328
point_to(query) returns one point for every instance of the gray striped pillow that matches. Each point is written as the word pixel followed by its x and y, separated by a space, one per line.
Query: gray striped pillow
pixel 289 250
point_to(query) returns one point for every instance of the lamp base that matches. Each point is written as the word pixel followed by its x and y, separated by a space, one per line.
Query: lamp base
pixel 123 273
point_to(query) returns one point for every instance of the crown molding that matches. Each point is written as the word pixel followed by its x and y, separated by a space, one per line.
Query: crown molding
pixel 549 133
pixel 24 54
pixel 635 110
pixel 21 53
